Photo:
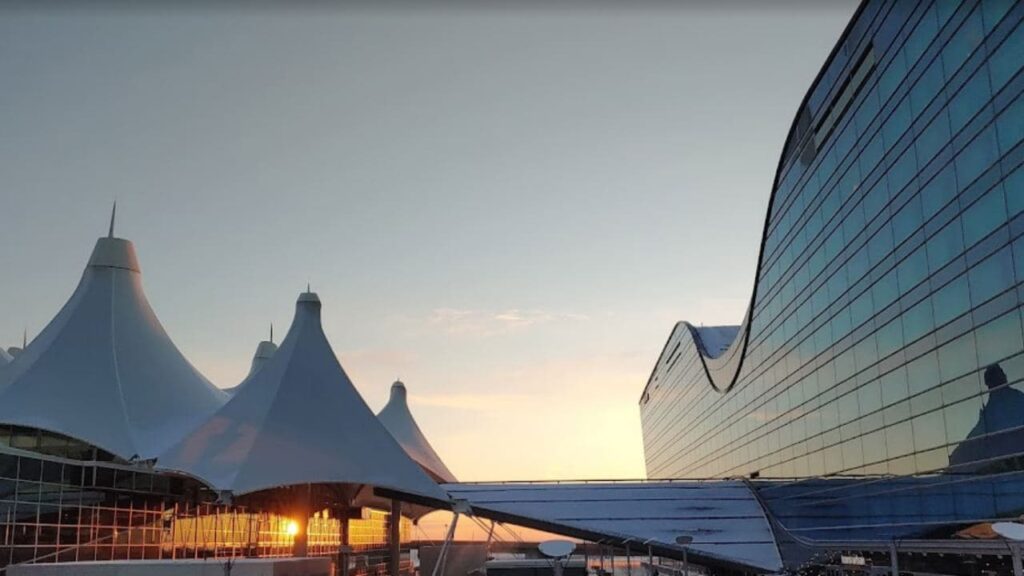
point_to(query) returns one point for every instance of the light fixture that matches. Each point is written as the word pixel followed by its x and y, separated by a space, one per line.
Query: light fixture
pixel 292 528
pixel 1014 534
pixel 684 541
pixel 1009 530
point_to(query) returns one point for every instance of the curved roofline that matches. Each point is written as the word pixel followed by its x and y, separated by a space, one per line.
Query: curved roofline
pixel 723 371
pixel 119 459
pixel 413 497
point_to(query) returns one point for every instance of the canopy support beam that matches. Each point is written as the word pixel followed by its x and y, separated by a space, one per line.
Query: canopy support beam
pixel 395 538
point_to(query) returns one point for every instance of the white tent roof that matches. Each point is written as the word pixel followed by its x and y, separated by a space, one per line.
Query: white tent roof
pixel 397 418
pixel 299 420
pixel 264 351
pixel 104 370
pixel 724 518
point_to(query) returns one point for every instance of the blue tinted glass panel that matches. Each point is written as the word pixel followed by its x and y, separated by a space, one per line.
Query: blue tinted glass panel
pixel 991 276
pixel 939 191
pixel 987 214
pixel 1000 339
pixel 952 300
pixel 918 320
pixel 1010 124
pixel 968 101
pixel 981 153
pixel 1014 187
pixel 946 244
pixel 1006 61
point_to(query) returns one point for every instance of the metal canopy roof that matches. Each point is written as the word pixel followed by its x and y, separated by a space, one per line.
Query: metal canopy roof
pixel 104 370
pixel 396 417
pixel 298 420
pixel 727 524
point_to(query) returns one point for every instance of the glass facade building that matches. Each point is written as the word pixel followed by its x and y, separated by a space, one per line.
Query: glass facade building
pixel 62 500
pixel 880 367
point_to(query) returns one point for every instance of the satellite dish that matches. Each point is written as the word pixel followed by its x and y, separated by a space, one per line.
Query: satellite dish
pixel 1009 530
pixel 556 548
pixel 684 540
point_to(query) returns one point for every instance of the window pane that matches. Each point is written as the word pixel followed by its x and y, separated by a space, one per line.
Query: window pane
pixel 984 216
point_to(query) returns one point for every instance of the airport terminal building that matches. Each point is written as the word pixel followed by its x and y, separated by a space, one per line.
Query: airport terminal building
pixel 869 408
pixel 875 389
pixel 113 447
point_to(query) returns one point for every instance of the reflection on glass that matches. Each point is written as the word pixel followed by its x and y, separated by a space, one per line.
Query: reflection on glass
pixel 995 441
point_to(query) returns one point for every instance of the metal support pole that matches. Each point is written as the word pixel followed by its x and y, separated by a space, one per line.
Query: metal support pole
pixel 174 540
pixel 686 563
pixel 300 545
pixel 629 562
pixel 894 558
pixel 490 535
pixel 442 556
pixel 395 538
pixel 650 560
pixel 343 548
pixel 1018 567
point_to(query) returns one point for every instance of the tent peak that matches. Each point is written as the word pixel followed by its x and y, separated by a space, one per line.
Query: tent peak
pixel 309 297
pixel 398 391
pixel 111 252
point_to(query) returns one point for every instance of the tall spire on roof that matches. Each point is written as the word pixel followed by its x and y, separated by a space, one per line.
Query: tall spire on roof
pixel 113 215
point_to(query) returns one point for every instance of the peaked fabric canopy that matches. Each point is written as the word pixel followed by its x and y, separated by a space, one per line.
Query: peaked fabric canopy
pixel 104 370
pixel 264 351
pixel 298 420
pixel 396 417
pixel 5 358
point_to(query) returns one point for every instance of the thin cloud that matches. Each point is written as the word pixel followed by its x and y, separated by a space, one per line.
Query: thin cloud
pixel 476 402
pixel 488 323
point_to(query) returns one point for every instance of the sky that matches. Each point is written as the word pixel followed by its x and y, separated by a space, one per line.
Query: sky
pixel 507 206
